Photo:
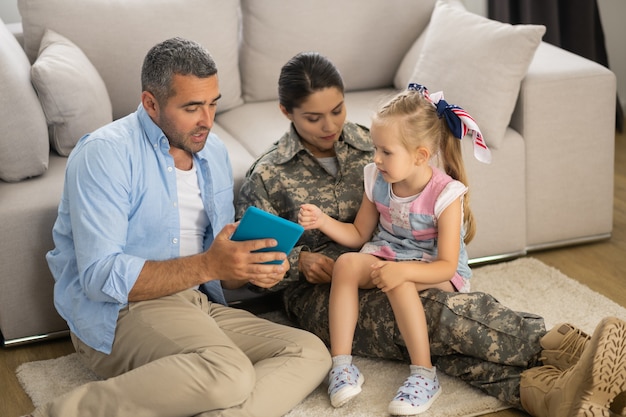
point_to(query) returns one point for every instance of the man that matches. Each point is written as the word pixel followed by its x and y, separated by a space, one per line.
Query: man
pixel 143 224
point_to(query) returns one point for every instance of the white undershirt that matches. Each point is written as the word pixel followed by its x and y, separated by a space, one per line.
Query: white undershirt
pixel 193 218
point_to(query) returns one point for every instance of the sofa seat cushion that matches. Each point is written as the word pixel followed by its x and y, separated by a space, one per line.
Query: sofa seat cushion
pixel 24 147
pixel 72 93
pixel 366 43
pixel 478 63
pixel 116 39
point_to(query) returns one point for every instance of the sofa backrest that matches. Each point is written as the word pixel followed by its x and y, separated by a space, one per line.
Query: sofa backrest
pixel 249 39
pixel 116 35
pixel 366 40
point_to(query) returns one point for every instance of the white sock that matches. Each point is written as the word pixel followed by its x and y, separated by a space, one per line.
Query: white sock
pixel 342 360
pixel 429 373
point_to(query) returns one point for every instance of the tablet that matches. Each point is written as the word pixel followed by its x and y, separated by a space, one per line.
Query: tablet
pixel 259 224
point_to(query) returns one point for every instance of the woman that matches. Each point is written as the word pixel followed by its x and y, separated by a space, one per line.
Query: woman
pixel 320 160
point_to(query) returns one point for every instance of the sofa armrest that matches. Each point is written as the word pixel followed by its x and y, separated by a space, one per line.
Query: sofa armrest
pixel 566 114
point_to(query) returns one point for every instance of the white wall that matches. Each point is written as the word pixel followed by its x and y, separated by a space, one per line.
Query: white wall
pixel 612 13
pixel 9 12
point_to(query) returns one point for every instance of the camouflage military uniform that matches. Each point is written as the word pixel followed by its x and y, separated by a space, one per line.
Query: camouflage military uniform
pixel 472 336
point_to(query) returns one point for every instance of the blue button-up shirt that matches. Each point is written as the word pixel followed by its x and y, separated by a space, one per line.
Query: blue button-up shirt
pixel 119 208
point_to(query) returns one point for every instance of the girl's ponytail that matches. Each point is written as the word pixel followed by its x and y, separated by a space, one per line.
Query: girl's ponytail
pixel 451 159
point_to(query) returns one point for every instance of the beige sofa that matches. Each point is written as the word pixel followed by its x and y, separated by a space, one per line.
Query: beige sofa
pixel 546 114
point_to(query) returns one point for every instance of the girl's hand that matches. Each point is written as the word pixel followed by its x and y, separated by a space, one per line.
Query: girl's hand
pixel 386 275
pixel 311 217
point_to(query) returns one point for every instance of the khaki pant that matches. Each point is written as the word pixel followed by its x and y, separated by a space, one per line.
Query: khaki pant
pixel 182 355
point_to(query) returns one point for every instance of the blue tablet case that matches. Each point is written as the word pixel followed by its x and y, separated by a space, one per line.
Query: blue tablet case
pixel 259 224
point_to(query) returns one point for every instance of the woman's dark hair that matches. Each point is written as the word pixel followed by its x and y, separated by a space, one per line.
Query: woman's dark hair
pixel 174 56
pixel 304 74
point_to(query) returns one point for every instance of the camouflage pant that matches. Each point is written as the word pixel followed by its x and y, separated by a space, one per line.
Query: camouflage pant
pixel 472 335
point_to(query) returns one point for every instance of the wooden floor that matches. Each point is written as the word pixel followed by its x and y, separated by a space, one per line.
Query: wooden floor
pixel 601 266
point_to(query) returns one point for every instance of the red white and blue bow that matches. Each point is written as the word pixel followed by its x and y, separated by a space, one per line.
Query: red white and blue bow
pixel 458 120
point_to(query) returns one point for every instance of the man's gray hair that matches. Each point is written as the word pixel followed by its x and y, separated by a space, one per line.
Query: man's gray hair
pixel 174 56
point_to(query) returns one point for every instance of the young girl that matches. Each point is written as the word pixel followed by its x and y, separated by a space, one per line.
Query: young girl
pixel 423 219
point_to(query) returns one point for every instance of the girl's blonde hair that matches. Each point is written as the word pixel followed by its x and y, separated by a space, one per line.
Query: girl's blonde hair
pixel 419 125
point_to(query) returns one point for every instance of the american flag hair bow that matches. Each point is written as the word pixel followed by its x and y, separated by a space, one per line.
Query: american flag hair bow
pixel 458 120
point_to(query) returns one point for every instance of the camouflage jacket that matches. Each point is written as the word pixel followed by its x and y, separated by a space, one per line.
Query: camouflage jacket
pixel 288 175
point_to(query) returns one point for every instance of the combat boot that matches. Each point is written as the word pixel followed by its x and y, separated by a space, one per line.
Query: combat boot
pixel 562 346
pixel 585 389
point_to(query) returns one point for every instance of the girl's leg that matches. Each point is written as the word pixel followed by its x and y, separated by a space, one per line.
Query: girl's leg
pixel 421 388
pixel 351 272
pixel 411 319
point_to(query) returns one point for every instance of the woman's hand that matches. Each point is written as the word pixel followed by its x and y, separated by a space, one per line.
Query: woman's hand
pixel 317 268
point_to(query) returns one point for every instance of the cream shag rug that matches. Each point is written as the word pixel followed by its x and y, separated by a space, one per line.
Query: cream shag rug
pixel 525 284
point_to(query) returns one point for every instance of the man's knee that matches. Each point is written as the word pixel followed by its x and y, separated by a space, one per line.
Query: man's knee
pixel 315 350
pixel 229 375
pixel 310 349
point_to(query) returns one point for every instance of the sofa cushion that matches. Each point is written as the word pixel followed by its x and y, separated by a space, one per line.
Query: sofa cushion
pixel 478 63
pixel 366 43
pixel 72 94
pixel 116 39
pixel 24 148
